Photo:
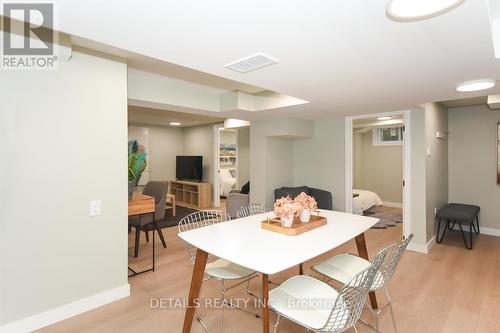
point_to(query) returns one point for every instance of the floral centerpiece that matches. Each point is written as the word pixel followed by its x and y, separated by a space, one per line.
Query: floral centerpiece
pixel 286 209
pixel 307 204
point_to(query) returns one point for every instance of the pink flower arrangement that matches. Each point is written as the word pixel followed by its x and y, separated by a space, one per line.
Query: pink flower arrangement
pixel 286 207
pixel 305 201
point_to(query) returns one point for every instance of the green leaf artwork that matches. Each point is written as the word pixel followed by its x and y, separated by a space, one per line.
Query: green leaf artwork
pixel 136 161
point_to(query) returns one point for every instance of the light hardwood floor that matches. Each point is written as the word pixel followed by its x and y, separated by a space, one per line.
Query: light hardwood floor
pixel 449 290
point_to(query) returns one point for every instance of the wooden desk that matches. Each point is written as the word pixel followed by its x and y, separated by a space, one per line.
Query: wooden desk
pixel 140 204
pixel 224 240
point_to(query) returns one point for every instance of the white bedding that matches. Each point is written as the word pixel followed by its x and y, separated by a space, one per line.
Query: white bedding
pixel 364 201
pixel 227 182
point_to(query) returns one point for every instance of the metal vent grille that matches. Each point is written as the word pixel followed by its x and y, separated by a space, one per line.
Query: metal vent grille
pixel 252 63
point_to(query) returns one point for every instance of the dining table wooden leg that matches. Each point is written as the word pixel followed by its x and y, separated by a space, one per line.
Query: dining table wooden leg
pixel 194 291
pixel 363 253
pixel 265 299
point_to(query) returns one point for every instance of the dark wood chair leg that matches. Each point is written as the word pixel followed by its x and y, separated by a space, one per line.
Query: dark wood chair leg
pixel 146 231
pixel 137 238
pixel 160 234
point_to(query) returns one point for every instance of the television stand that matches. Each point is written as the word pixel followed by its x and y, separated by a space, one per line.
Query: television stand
pixel 191 194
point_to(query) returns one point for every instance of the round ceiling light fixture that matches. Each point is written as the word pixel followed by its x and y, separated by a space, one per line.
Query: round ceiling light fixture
pixel 476 85
pixel 417 10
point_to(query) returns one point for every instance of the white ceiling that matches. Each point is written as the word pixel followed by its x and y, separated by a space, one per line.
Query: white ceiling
pixel 344 57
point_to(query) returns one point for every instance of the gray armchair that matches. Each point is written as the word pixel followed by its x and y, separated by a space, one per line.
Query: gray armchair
pixel 323 198
pixel 234 201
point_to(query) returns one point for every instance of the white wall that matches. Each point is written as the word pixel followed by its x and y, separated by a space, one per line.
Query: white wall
pixel 472 161
pixel 64 136
pixel 378 168
pixel 436 166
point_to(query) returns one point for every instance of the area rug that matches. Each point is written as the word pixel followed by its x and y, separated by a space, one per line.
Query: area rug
pixel 388 218
pixel 173 221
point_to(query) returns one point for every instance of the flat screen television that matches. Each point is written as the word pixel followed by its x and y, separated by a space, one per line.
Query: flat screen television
pixel 189 168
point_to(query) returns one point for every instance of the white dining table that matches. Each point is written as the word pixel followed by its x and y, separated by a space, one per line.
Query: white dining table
pixel 244 242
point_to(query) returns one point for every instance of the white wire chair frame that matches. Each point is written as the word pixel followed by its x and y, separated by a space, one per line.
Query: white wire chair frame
pixel 252 209
pixel 202 219
pixel 383 277
pixel 387 270
pixel 348 305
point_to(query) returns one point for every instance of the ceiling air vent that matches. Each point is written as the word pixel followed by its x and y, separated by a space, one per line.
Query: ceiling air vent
pixel 252 63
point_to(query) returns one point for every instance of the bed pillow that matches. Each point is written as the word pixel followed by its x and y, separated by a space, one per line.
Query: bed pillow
pixel 245 189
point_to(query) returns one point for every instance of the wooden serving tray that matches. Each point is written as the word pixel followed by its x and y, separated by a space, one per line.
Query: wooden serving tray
pixel 297 227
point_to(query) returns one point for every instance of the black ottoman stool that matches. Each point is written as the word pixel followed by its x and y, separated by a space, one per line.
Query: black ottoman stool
pixel 458 213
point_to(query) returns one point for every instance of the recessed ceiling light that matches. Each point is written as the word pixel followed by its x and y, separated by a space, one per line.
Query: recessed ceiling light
pixel 476 85
pixel 175 123
pixel 384 118
pixel 416 10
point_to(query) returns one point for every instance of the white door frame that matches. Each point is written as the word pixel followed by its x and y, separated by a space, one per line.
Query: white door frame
pixel 406 163
pixel 216 166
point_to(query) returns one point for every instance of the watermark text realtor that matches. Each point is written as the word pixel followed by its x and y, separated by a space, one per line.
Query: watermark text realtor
pixel 28 39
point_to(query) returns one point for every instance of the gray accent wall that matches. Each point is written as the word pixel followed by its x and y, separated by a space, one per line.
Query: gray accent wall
pixel 436 165
pixel 320 161
pixel 165 143
pixel 243 156
pixel 198 140
pixel 64 136
pixel 472 161
pixel 378 168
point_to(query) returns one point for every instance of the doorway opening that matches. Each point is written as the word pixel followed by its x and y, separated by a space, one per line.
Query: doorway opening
pixel 377 168
pixel 231 161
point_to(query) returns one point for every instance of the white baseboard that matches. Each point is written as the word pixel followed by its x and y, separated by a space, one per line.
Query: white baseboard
pixel 482 230
pixel 489 231
pixel 49 317
pixel 393 204
pixel 422 248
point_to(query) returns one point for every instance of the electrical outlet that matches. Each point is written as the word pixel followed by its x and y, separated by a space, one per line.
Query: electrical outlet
pixel 95 208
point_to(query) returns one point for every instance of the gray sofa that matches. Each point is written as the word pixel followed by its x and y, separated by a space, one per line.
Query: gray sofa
pixel 323 198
